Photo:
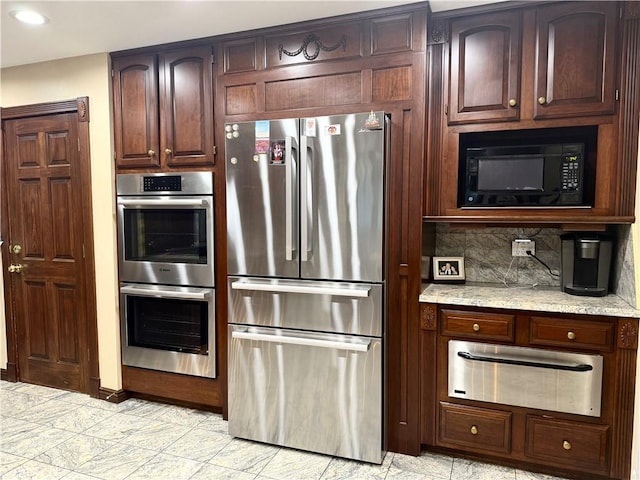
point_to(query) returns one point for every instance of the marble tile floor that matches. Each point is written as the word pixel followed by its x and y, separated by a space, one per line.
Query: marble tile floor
pixel 50 434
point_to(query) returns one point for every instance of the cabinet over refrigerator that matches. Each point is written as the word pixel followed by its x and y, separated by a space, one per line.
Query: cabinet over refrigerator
pixel 306 223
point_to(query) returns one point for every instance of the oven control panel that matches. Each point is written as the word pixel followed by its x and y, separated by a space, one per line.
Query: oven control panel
pixel 161 184
pixel 165 183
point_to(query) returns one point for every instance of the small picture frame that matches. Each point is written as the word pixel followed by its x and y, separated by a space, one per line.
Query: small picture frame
pixel 448 270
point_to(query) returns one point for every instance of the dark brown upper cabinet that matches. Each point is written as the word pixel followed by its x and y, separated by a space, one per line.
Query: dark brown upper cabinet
pixel 575 64
pixel 485 68
pixel 570 73
pixel 163 109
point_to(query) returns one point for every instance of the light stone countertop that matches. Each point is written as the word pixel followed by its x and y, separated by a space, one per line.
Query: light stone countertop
pixel 542 299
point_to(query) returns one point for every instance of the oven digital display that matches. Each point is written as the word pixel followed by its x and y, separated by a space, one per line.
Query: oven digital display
pixel 164 183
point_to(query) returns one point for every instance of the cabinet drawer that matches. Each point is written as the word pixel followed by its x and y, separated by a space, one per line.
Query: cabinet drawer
pixel 580 446
pixel 560 332
pixel 480 428
pixel 478 325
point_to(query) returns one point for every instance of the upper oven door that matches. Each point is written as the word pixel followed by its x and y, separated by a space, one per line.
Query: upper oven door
pixel 166 239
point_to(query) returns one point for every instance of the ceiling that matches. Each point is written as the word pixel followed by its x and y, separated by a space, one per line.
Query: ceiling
pixel 79 27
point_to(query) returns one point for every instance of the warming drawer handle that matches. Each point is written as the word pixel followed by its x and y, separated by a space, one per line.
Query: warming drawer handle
pixel 307 342
pixel 176 202
pixel 361 292
pixel 148 292
pixel 580 367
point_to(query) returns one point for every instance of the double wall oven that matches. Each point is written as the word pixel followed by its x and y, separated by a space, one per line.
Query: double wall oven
pixel 166 263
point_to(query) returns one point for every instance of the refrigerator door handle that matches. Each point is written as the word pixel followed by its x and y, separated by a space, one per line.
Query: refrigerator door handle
pixel 304 341
pixel 359 291
pixel 306 200
pixel 289 197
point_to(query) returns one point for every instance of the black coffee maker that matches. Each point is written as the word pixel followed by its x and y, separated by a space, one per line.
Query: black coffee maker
pixel 586 264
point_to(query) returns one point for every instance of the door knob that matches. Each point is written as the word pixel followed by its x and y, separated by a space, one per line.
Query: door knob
pixel 15 249
pixel 151 153
pixel 168 151
pixel 16 268
pixel 513 102
pixel 542 100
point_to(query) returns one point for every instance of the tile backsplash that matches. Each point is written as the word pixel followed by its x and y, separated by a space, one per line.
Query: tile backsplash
pixel 487 256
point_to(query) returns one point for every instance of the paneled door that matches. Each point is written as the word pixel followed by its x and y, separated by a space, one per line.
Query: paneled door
pixel 46 264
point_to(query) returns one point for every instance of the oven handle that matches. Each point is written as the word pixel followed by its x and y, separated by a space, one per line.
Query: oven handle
pixel 307 342
pixel 356 291
pixel 576 367
pixel 178 202
pixel 148 292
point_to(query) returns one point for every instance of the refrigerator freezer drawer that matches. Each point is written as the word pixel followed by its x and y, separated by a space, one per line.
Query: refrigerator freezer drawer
pixel 336 307
pixel 526 377
pixel 315 392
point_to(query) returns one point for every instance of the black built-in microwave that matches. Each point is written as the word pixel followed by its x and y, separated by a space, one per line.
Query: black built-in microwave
pixel 530 175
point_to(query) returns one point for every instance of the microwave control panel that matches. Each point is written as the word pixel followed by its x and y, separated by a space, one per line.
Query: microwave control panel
pixel 571 172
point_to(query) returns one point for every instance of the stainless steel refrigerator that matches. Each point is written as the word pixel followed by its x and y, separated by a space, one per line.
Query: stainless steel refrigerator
pixel 306 221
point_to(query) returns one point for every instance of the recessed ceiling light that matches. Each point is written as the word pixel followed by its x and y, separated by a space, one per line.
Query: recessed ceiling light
pixel 29 16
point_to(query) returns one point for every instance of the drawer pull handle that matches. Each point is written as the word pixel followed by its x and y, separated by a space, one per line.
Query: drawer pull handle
pixel 474 430
pixel 571 336
pixel 476 327
pixel 566 445
pixel 571 367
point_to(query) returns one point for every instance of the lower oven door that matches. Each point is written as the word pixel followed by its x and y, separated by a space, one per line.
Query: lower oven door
pixel 526 377
pixel 166 328
pixel 312 391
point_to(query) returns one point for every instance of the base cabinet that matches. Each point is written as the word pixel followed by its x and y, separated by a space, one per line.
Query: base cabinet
pixel 554 442
pixel 581 445
pixel 479 428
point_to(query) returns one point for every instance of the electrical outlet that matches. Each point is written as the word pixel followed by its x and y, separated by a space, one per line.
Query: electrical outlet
pixel 522 247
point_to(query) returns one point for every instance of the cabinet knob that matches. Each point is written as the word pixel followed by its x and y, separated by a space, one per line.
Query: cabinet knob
pixel 15 249
pixel 476 327
pixel 512 102
pixel 168 151
pixel 474 430
pixel 571 336
pixel 151 153
pixel 566 445
pixel 542 100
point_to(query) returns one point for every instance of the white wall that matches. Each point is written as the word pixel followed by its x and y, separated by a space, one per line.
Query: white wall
pixel 64 80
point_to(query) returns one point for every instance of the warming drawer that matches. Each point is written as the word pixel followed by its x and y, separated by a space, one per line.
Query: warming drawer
pixel 526 377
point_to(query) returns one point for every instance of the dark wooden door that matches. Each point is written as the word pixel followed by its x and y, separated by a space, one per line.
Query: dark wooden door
pixel 187 107
pixel 576 59
pixel 45 228
pixel 485 68
pixel 136 111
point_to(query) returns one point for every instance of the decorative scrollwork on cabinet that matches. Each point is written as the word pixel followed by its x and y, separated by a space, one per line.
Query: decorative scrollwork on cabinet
pixel 318 46
pixel 628 337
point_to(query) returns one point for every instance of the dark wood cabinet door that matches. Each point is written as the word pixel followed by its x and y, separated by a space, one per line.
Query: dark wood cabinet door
pixel 136 111
pixel 485 68
pixel 187 107
pixel 576 45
